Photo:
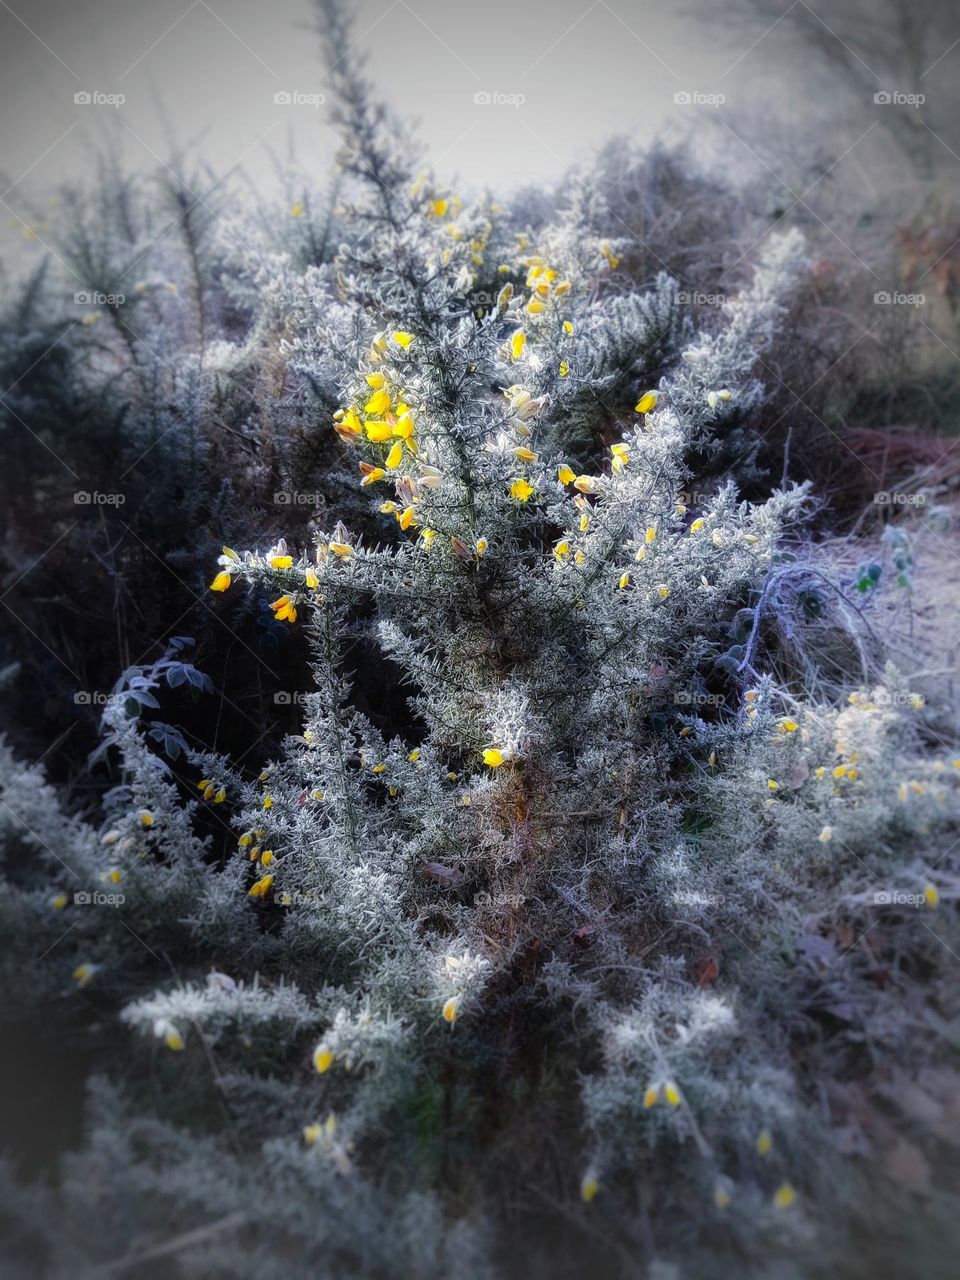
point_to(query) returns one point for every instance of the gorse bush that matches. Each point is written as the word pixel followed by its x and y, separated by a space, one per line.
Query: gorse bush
pixel 551 938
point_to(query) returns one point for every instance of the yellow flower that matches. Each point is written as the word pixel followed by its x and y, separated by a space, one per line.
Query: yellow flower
pixel 493 757
pixel 535 306
pixel 83 973
pixel 172 1038
pixel 585 484
pixel 312 1134
pixel 261 888
pixel 414 755
pixel 266 857
pixel 764 1142
pixel 561 551
pixel 297 209
pixel 568 326
pixel 931 895
pixel 146 818
pixel 376 380
pixel 268 802
pixel 372 476
pixel 650 534
pixel 772 785
pixel 322 1058
pixel 379 402
pixel 525 455
pixel 784 1196
pixel 220 796
pixel 406 517
pixel 565 474
pixel 341 549
pixel 663 591
pixel 379 431
pixel 564 368
pixel 589 1186
pixel 651 1096
pixel 825 835
pixel 59 901
pixel 671 1093
pixel 439 207
pixel 349 424
pixel 721 1196
pixel 624 581
pixel 521 490
pixel 451 1009
pixel 285 609
pixel 647 402
pixel 310 579
pixel 246 840
pixel 787 726
pixel 281 562
pixel 114 875
pixel 402 339
pixel 394 457
pixel 481 545
pixel 517 343
pixel 697 525
pixel 221 581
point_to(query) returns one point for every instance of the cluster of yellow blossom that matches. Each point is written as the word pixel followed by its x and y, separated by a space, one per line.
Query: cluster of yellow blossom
pixel 670 1090
pixel 212 790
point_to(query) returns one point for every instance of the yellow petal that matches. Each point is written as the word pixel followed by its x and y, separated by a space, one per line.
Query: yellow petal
pixel 647 402
pixel 173 1039
pixel 394 457
pixel 785 1196
pixel 493 757
pixel 521 490
pixel 221 581
pixel 322 1058
pixel 379 402
pixel 451 1009
pixel 589 1186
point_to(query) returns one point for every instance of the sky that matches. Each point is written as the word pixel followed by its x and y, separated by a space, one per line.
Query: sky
pixel 503 91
